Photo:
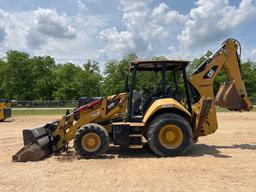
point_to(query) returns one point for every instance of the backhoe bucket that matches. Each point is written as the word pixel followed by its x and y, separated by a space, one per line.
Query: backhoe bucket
pixel 228 97
pixel 37 145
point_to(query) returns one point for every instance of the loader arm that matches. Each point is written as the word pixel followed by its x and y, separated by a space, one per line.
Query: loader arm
pixel 231 95
pixel 54 137
pixel 109 108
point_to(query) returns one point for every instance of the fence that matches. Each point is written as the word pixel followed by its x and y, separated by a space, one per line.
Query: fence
pixel 45 104
pixel 58 103
pixel 253 100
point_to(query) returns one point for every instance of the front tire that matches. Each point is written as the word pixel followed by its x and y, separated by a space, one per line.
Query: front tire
pixel 170 135
pixel 91 140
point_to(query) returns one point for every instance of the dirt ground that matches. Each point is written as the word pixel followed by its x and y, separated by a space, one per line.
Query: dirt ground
pixel 224 161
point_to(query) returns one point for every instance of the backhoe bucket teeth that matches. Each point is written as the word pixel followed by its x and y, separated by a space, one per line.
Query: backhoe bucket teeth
pixel 228 97
pixel 37 145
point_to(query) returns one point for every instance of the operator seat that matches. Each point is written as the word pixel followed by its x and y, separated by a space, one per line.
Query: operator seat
pixel 177 97
pixel 174 95
pixel 136 102
pixel 150 98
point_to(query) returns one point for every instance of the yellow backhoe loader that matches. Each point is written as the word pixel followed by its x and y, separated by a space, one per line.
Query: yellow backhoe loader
pixel 5 109
pixel 177 111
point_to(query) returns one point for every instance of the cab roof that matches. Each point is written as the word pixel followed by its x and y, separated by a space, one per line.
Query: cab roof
pixel 156 65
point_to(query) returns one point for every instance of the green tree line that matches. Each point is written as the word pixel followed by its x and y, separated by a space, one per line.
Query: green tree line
pixel 40 78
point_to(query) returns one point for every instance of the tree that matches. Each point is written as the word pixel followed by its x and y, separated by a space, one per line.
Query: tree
pixel 114 74
pixel 149 80
pixel 2 78
pixel 91 80
pixel 249 76
pixel 74 82
pixel 198 61
pixel 18 82
pixel 44 80
pixel 39 78
pixel 67 81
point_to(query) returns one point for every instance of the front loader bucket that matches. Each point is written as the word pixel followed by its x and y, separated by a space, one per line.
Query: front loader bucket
pixel 228 97
pixel 37 145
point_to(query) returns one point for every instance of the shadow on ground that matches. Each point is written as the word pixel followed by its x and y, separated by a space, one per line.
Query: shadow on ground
pixel 198 150
pixel 202 149
pixel 240 146
pixel 113 152
pixel 7 121
pixel 214 150
pixel 145 152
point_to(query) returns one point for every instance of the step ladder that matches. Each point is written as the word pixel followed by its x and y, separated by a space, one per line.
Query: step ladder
pixel 128 135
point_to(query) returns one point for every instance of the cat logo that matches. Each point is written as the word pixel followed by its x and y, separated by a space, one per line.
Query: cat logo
pixel 211 72
pixel 112 104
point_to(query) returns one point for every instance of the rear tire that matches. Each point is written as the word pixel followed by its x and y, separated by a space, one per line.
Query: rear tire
pixel 91 140
pixel 170 134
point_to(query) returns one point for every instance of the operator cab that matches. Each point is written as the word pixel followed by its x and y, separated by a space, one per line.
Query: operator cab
pixel 168 79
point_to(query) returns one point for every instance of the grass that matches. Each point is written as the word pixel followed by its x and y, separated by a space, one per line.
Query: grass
pixel 226 110
pixel 16 112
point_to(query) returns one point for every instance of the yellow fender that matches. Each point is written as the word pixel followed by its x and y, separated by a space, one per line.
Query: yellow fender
pixel 165 103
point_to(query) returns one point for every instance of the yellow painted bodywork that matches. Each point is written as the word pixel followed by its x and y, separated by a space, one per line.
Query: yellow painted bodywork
pixel 171 136
pixel 91 142
pixel 4 105
pixel 225 58
pixel 1 111
pixel 67 128
pixel 164 103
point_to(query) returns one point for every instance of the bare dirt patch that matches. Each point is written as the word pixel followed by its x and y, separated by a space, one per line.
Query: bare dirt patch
pixel 224 161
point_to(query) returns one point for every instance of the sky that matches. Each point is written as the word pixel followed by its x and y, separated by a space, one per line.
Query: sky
pixel 77 30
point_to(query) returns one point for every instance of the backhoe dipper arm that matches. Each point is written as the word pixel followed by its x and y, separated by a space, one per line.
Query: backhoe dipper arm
pixel 231 95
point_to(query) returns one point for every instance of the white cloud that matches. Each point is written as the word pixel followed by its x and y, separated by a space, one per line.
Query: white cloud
pixel 143 27
pixel 135 13
pixel 2 32
pixel 15 30
pixel 2 27
pixel 236 16
pixel 49 32
pixel 172 49
pixel 213 20
pixel 102 55
pixel 162 14
pixel 50 23
pixel 81 7
pixel 253 55
pixel 31 29
pixel 35 39
pixel 118 41
pixel 147 30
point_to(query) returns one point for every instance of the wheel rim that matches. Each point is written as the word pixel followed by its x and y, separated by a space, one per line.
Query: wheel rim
pixel 91 142
pixel 171 136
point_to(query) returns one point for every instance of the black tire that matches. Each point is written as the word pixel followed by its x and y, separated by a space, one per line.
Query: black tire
pixel 166 119
pixel 97 129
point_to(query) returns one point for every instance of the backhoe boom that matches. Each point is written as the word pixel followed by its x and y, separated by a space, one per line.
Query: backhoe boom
pixel 231 95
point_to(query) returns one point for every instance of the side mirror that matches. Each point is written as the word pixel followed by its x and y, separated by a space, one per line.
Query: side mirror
pixel 126 84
